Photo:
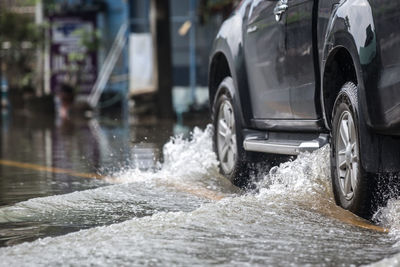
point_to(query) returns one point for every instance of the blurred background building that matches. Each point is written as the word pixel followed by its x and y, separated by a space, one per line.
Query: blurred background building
pixel 104 53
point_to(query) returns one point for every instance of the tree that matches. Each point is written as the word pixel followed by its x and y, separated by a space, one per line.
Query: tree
pixel 18 41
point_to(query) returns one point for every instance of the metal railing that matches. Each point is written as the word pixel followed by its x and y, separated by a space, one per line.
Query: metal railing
pixel 108 66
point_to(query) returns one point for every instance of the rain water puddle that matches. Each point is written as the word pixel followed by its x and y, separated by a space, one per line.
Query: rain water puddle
pixel 185 213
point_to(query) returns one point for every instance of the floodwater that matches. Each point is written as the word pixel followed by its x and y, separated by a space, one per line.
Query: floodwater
pixel 118 192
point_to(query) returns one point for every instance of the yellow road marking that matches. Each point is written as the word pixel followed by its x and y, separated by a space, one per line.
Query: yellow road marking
pixel 35 167
pixel 201 192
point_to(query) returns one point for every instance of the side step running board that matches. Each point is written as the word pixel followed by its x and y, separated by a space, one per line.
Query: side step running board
pixel 284 148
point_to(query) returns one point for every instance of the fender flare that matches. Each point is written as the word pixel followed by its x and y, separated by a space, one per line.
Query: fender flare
pixel 229 43
pixel 346 20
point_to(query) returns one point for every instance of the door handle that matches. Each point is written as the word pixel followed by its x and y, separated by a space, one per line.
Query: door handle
pixel 252 29
pixel 280 8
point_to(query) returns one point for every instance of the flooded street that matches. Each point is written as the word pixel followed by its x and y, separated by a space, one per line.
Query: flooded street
pixel 111 192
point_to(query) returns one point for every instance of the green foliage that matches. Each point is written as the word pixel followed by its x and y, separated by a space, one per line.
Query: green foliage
pixel 89 39
pixel 19 38
pixel 49 6
pixel 16 28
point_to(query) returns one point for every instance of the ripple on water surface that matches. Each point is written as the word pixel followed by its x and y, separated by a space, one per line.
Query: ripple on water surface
pixel 288 220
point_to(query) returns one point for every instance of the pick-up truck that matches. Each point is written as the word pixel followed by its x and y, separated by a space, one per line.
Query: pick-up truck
pixel 290 76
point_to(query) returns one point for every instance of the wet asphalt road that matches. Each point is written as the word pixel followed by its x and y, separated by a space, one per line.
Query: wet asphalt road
pixel 111 191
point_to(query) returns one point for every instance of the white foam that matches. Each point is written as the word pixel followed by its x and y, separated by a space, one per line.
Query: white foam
pixel 277 225
pixel 389 217
pixel 306 178
pixel 186 161
pixel 190 162
pixel 191 158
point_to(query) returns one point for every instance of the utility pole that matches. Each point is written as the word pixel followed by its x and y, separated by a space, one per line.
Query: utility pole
pixel 160 21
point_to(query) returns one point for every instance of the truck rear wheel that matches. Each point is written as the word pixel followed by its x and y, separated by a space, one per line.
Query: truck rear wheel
pixel 353 187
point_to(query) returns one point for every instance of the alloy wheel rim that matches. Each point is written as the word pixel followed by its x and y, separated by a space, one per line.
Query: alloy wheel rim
pixel 347 155
pixel 226 137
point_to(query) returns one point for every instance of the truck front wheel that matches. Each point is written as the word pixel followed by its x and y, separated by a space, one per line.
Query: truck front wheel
pixel 228 138
pixel 353 187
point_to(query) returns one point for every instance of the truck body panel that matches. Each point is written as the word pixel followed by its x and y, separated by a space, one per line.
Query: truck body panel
pixel 279 66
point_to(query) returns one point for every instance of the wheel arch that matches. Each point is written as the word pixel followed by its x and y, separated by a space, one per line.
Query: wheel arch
pixel 219 70
pixel 227 58
pixel 350 40
pixel 339 69
pixel 222 65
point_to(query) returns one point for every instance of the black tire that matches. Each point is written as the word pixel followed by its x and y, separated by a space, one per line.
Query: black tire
pixel 358 199
pixel 239 173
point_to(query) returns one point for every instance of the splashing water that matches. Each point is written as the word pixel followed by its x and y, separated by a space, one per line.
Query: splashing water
pixel 190 162
pixel 287 221
pixel 308 176
pixel 181 156
pixel 389 217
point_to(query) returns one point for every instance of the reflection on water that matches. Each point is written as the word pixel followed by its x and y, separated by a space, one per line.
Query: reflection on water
pixel 103 146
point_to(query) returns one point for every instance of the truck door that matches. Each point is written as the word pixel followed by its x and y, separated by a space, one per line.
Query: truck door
pixel 264 44
pixel 299 69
